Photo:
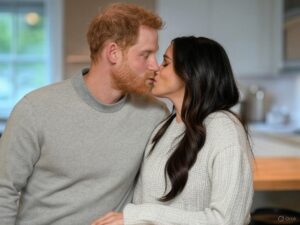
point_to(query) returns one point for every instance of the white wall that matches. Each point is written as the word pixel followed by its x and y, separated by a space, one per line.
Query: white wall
pixel 282 90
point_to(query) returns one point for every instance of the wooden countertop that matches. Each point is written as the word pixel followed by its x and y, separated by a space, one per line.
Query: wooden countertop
pixel 277 173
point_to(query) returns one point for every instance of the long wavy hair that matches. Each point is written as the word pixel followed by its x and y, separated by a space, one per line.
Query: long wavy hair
pixel 210 86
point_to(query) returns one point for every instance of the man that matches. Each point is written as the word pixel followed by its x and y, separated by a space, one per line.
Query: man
pixel 73 149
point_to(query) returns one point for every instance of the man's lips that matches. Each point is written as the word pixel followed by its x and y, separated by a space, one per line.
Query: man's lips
pixel 152 79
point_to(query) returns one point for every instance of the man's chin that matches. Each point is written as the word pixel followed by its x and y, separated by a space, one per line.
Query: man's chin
pixel 143 91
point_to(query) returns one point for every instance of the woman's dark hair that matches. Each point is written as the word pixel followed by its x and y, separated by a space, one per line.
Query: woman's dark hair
pixel 210 86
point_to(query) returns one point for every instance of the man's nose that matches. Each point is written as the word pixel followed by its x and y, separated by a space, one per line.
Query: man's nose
pixel 153 65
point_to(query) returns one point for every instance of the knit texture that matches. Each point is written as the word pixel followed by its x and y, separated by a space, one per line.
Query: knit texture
pixel 219 189
pixel 72 157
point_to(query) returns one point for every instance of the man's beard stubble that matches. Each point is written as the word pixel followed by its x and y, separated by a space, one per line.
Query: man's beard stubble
pixel 129 82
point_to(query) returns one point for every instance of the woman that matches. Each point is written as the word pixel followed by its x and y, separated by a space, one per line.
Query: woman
pixel 197 165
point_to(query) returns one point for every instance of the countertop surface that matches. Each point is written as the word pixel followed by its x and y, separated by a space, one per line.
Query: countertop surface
pixel 277 174
pixel 277 160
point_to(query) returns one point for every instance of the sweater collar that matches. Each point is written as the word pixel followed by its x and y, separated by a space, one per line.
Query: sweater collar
pixel 83 92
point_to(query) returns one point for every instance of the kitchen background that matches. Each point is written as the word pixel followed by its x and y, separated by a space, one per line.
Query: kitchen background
pixel 261 37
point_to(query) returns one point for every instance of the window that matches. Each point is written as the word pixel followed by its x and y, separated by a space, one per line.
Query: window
pixel 29 41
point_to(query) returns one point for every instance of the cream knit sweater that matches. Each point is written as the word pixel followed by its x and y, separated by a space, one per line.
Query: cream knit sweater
pixel 219 189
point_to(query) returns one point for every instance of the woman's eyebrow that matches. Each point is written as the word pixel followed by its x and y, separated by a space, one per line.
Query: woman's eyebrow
pixel 167 57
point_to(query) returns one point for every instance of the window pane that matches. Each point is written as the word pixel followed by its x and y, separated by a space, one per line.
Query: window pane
pixel 6 21
pixel 29 76
pixel 31 31
pixel 6 87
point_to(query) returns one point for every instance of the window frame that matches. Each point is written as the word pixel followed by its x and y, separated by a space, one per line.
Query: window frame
pixel 54 42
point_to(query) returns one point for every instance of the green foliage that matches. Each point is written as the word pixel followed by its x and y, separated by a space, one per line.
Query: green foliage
pixel 31 38
pixel 28 39
pixel 6 34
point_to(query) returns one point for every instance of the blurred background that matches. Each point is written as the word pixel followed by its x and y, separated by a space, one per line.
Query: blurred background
pixel 43 41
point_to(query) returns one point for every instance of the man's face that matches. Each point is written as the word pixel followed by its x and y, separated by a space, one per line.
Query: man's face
pixel 139 64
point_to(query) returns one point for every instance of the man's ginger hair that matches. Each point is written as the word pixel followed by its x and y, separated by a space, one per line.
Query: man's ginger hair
pixel 120 23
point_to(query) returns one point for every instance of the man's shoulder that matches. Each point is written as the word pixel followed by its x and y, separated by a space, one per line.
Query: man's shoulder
pixel 50 91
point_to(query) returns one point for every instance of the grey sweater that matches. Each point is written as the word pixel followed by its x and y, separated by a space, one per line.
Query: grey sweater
pixel 72 158
pixel 219 189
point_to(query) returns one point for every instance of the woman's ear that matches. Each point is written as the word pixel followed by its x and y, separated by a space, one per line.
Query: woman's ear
pixel 113 52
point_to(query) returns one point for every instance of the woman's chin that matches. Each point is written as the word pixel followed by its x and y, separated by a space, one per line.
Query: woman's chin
pixel 157 94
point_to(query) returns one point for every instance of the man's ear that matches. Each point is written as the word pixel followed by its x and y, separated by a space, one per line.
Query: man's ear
pixel 113 52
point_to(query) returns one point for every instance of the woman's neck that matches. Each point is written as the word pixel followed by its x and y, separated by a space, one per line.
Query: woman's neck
pixel 177 103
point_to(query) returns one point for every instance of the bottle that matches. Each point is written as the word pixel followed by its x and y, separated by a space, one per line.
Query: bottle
pixel 255 104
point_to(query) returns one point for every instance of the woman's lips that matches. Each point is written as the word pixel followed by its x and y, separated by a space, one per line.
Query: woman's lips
pixel 151 80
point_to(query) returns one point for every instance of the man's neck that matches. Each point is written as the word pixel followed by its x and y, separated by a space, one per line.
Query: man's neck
pixel 99 82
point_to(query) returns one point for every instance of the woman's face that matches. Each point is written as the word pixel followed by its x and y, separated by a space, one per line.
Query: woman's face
pixel 167 83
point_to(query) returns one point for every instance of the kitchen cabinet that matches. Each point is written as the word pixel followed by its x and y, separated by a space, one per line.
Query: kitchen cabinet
pixel 249 30
pixel 182 18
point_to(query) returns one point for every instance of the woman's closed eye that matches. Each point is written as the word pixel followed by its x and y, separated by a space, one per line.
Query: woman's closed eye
pixel 165 64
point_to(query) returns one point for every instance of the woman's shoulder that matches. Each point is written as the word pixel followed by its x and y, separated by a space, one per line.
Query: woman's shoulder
pixel 222 119
pixel 224 127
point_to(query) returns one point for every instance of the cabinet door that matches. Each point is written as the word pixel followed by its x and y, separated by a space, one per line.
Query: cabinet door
pixel 250 32
pixel 182 18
